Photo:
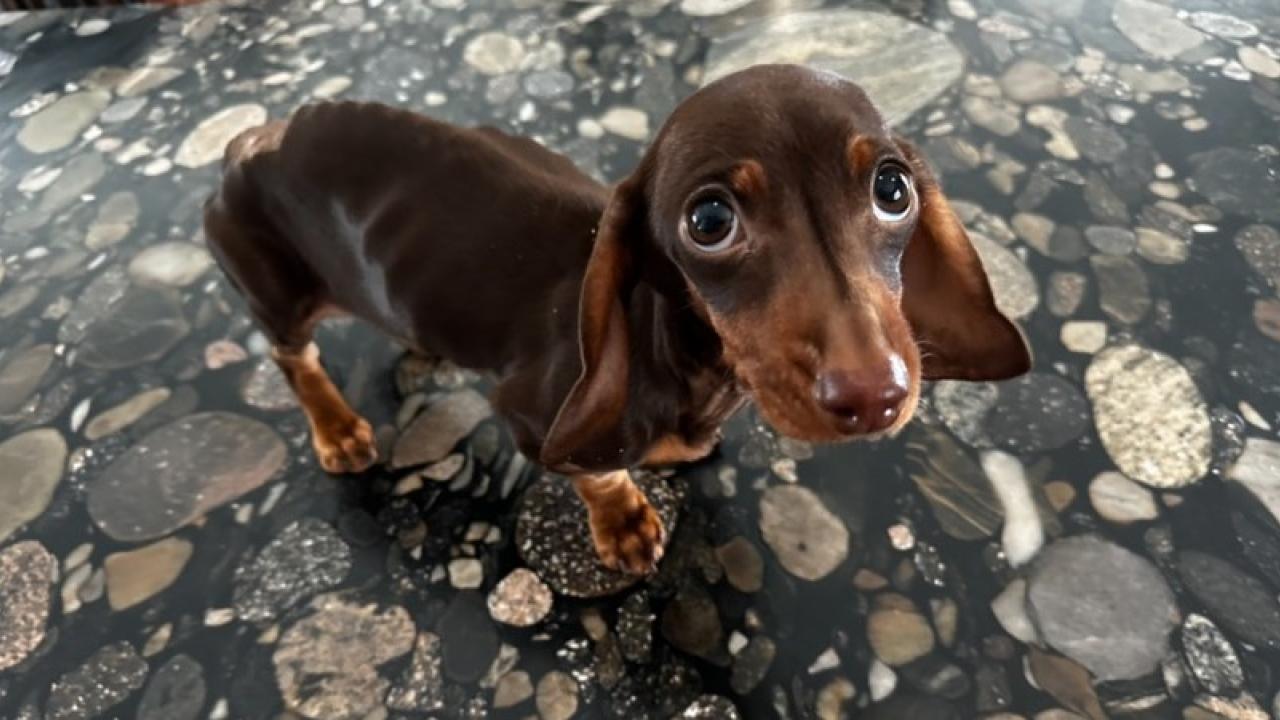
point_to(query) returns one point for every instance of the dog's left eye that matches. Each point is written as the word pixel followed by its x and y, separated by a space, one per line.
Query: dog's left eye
pixel 891 193
pixel 712 224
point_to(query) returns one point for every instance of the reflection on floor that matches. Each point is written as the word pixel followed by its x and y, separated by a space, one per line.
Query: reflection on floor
pixel 169 550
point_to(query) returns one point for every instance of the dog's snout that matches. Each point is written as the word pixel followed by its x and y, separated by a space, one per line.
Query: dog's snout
pixel 863 401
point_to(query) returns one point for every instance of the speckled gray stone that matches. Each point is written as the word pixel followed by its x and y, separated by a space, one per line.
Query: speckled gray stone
pixel 306 558
pixel 1260 246
pixel 27 573
pixel 1214 663
pixel 419 689
pixel 554 539
pixel 710 707
pixel 105 680
pixel 520 599
pixel 1150 416
pixel 1036 412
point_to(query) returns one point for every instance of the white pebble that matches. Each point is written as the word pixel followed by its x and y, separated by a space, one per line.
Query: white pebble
pixel 1023 533
pixel 1121 500
pixel 1084 336
pixel 628 122
pixel 466 573
pixel 881 680
pixel 217 617
pixel 1253 417
pixel 826 661
pixel 589 128
pixel 1010 609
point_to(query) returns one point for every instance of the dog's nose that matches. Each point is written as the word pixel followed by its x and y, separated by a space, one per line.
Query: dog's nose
pixel 865 402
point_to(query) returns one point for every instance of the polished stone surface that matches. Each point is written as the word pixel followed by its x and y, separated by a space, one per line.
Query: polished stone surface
pixel 1100 538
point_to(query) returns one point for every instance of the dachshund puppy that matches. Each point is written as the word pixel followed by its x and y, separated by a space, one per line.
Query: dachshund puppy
pixel 776 242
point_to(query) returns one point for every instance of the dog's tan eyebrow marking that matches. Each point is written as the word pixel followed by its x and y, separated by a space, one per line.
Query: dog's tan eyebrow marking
pixel 748 179
pixel 861 152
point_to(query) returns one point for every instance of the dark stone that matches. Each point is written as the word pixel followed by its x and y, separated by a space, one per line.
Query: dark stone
pixel 1036 412
pixel 468 638
pixel 1238 180
pixel 176 691
pixel 360 529
pixel 691 622
pixel 1066 681
pixel 993 690
pixel 934 675
pixel 1238 601
pixel 1067 244
pixel 751 664
pixel 1259 537
pixel 144 325
pixel 1123 291
pixel 1098 142
pixel 182 471
pixel 957 490
pixel 104 681
pixel 635 627
pixel 899 707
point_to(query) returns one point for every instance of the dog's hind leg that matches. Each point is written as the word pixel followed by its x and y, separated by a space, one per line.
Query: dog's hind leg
pixel 286 301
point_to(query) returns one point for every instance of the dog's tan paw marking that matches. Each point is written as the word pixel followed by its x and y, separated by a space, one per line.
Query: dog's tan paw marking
pixel 346 447
pixel 630 538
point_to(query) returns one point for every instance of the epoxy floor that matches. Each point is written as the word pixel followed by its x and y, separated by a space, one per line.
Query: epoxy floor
pixel 169 549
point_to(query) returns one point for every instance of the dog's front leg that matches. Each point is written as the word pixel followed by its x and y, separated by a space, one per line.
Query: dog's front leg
pixel 627 531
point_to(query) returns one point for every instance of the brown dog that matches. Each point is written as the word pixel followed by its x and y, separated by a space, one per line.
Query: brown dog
pixel 776 240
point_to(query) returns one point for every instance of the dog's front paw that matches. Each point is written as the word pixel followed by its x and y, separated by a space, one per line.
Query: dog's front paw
pixel 346 447
pixel 629 536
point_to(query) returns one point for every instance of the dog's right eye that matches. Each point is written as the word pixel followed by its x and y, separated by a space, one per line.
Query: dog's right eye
pixel 711 224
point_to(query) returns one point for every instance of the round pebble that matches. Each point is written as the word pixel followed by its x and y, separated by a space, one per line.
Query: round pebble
pixel 807 538
pixel 1121 500
pixel 493 53
pixel 520 599
pixel 1150 416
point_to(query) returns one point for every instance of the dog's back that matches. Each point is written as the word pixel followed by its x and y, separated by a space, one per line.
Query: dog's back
pixel 426 229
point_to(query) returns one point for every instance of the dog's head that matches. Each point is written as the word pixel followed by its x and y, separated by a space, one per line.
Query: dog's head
pixel 816 244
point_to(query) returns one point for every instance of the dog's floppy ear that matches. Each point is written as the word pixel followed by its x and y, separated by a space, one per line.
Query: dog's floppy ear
pixel 598 399
pixel 947 299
